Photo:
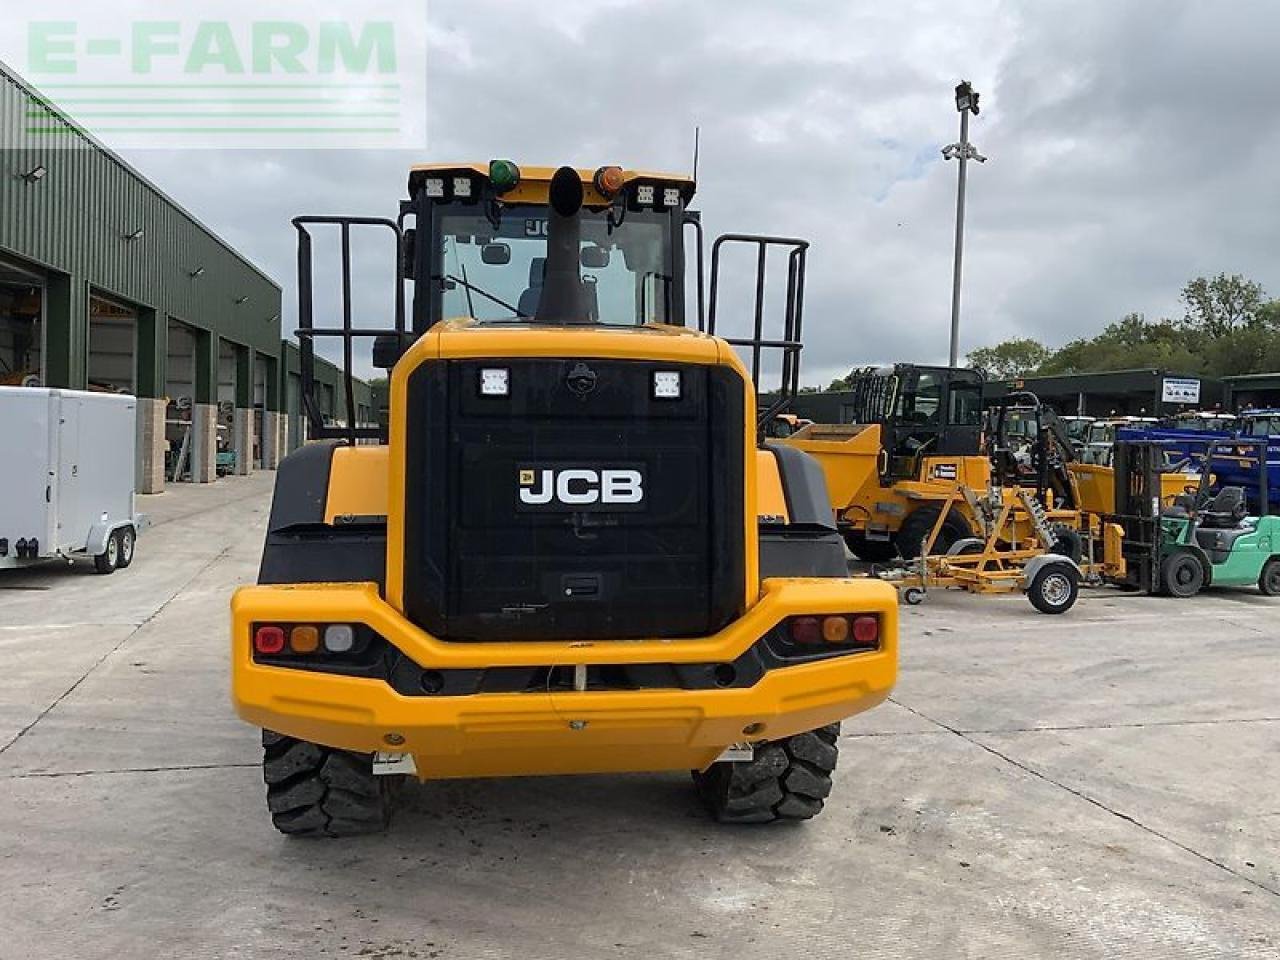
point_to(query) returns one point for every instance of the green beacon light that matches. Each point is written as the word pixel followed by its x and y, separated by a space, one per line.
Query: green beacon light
pixel 504 175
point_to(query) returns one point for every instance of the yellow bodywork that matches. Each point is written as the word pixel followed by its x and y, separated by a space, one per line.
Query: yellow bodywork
pixel 851 460
pixel 771 501
pixel 500 734
pixel 357 484
pixel 576 732
pixel 536 181
pixel 1097 485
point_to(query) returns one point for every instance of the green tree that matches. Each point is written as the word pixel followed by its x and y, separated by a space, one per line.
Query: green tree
pixel 1217 307
pixel 1228 327
pixel 1130 342
pixel 1012 358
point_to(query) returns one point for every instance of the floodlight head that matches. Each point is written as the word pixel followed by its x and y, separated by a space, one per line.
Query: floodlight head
pixel 966 97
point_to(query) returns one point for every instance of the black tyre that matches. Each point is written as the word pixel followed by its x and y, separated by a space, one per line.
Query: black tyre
pixel 788 780
pixel 919 524
pixel 913 596
pixel 1054 588
pixel 322 792
pixel 1269 579
pixel 109 559
pixel 126 540
pixel 871 551
pixel 1069 543
pixel 1182 574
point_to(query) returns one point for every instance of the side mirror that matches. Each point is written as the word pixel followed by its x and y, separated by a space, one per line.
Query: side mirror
pixel 387 350
pixel 594 258
pixel 408 251
pixel 495 254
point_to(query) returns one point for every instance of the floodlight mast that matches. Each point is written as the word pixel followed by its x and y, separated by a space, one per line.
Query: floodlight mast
pixel 966 103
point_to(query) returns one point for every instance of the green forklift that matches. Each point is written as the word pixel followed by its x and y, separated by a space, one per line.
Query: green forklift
pixel 1203 539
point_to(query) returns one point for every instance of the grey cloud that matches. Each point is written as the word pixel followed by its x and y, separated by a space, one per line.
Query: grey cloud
pixel 1132 146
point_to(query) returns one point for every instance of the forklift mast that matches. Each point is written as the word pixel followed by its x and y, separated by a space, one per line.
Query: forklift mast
pixel 1050 447
pixel 1137 466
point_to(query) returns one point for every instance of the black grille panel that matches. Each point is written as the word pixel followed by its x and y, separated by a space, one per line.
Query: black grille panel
pixel 482 563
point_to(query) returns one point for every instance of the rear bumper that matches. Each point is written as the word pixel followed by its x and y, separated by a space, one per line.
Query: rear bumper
pixel 499 734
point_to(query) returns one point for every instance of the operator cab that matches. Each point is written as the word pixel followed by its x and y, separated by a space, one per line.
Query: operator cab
pixel 547 247
pixel 922 410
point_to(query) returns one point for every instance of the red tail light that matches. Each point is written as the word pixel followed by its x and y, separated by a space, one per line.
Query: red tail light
pixel 268 639
pixel 806 630
pixel 866 631
pixel 838 630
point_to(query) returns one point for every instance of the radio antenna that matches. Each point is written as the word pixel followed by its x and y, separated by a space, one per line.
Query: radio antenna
pixel 696 131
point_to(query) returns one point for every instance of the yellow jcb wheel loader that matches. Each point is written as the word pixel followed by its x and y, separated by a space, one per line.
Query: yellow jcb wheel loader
pixel 571 553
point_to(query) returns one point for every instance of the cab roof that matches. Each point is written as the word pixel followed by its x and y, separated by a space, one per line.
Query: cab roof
pixel 535 181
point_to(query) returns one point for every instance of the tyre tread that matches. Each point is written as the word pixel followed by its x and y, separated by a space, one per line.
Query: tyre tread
pixel 314 790
pixel 788 780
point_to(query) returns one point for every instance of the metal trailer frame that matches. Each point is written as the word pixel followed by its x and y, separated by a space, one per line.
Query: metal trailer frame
pixel 999 563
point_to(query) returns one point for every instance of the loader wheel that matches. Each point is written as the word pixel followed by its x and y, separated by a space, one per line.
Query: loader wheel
pixel 788 780
pixel 109 559
pixel 1054 588
pixel 918 525
pixel 1269 579
pixel 871 551
pixel 323 792
pixel 1181 574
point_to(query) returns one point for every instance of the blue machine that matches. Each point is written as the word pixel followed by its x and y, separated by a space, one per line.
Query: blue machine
pixel 1187 439
pixel 1237 465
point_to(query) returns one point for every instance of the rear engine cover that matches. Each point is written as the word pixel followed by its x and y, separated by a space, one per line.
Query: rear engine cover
pixel 578 505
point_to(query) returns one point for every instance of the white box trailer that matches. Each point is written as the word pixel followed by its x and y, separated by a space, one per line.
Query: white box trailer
pixel 67 477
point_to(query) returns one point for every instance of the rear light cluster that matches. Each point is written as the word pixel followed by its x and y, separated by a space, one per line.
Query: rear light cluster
pixel 272 639
pixel 846 631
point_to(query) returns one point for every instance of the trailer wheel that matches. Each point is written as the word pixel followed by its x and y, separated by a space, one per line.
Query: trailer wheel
pixel 1181 574
pixel 323 792
pixel 788 780
pixel 913 596
pixel 109 559
pixel 127 541
pixel 1269 579
pixel 1054 588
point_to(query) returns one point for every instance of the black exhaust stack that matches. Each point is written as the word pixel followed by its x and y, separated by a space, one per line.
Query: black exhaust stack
pixel 562 300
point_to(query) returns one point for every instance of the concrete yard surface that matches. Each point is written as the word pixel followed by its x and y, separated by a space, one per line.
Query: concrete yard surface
pixel 1101 784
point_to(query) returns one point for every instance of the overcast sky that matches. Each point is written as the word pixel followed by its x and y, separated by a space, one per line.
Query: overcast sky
pixel 1132 145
